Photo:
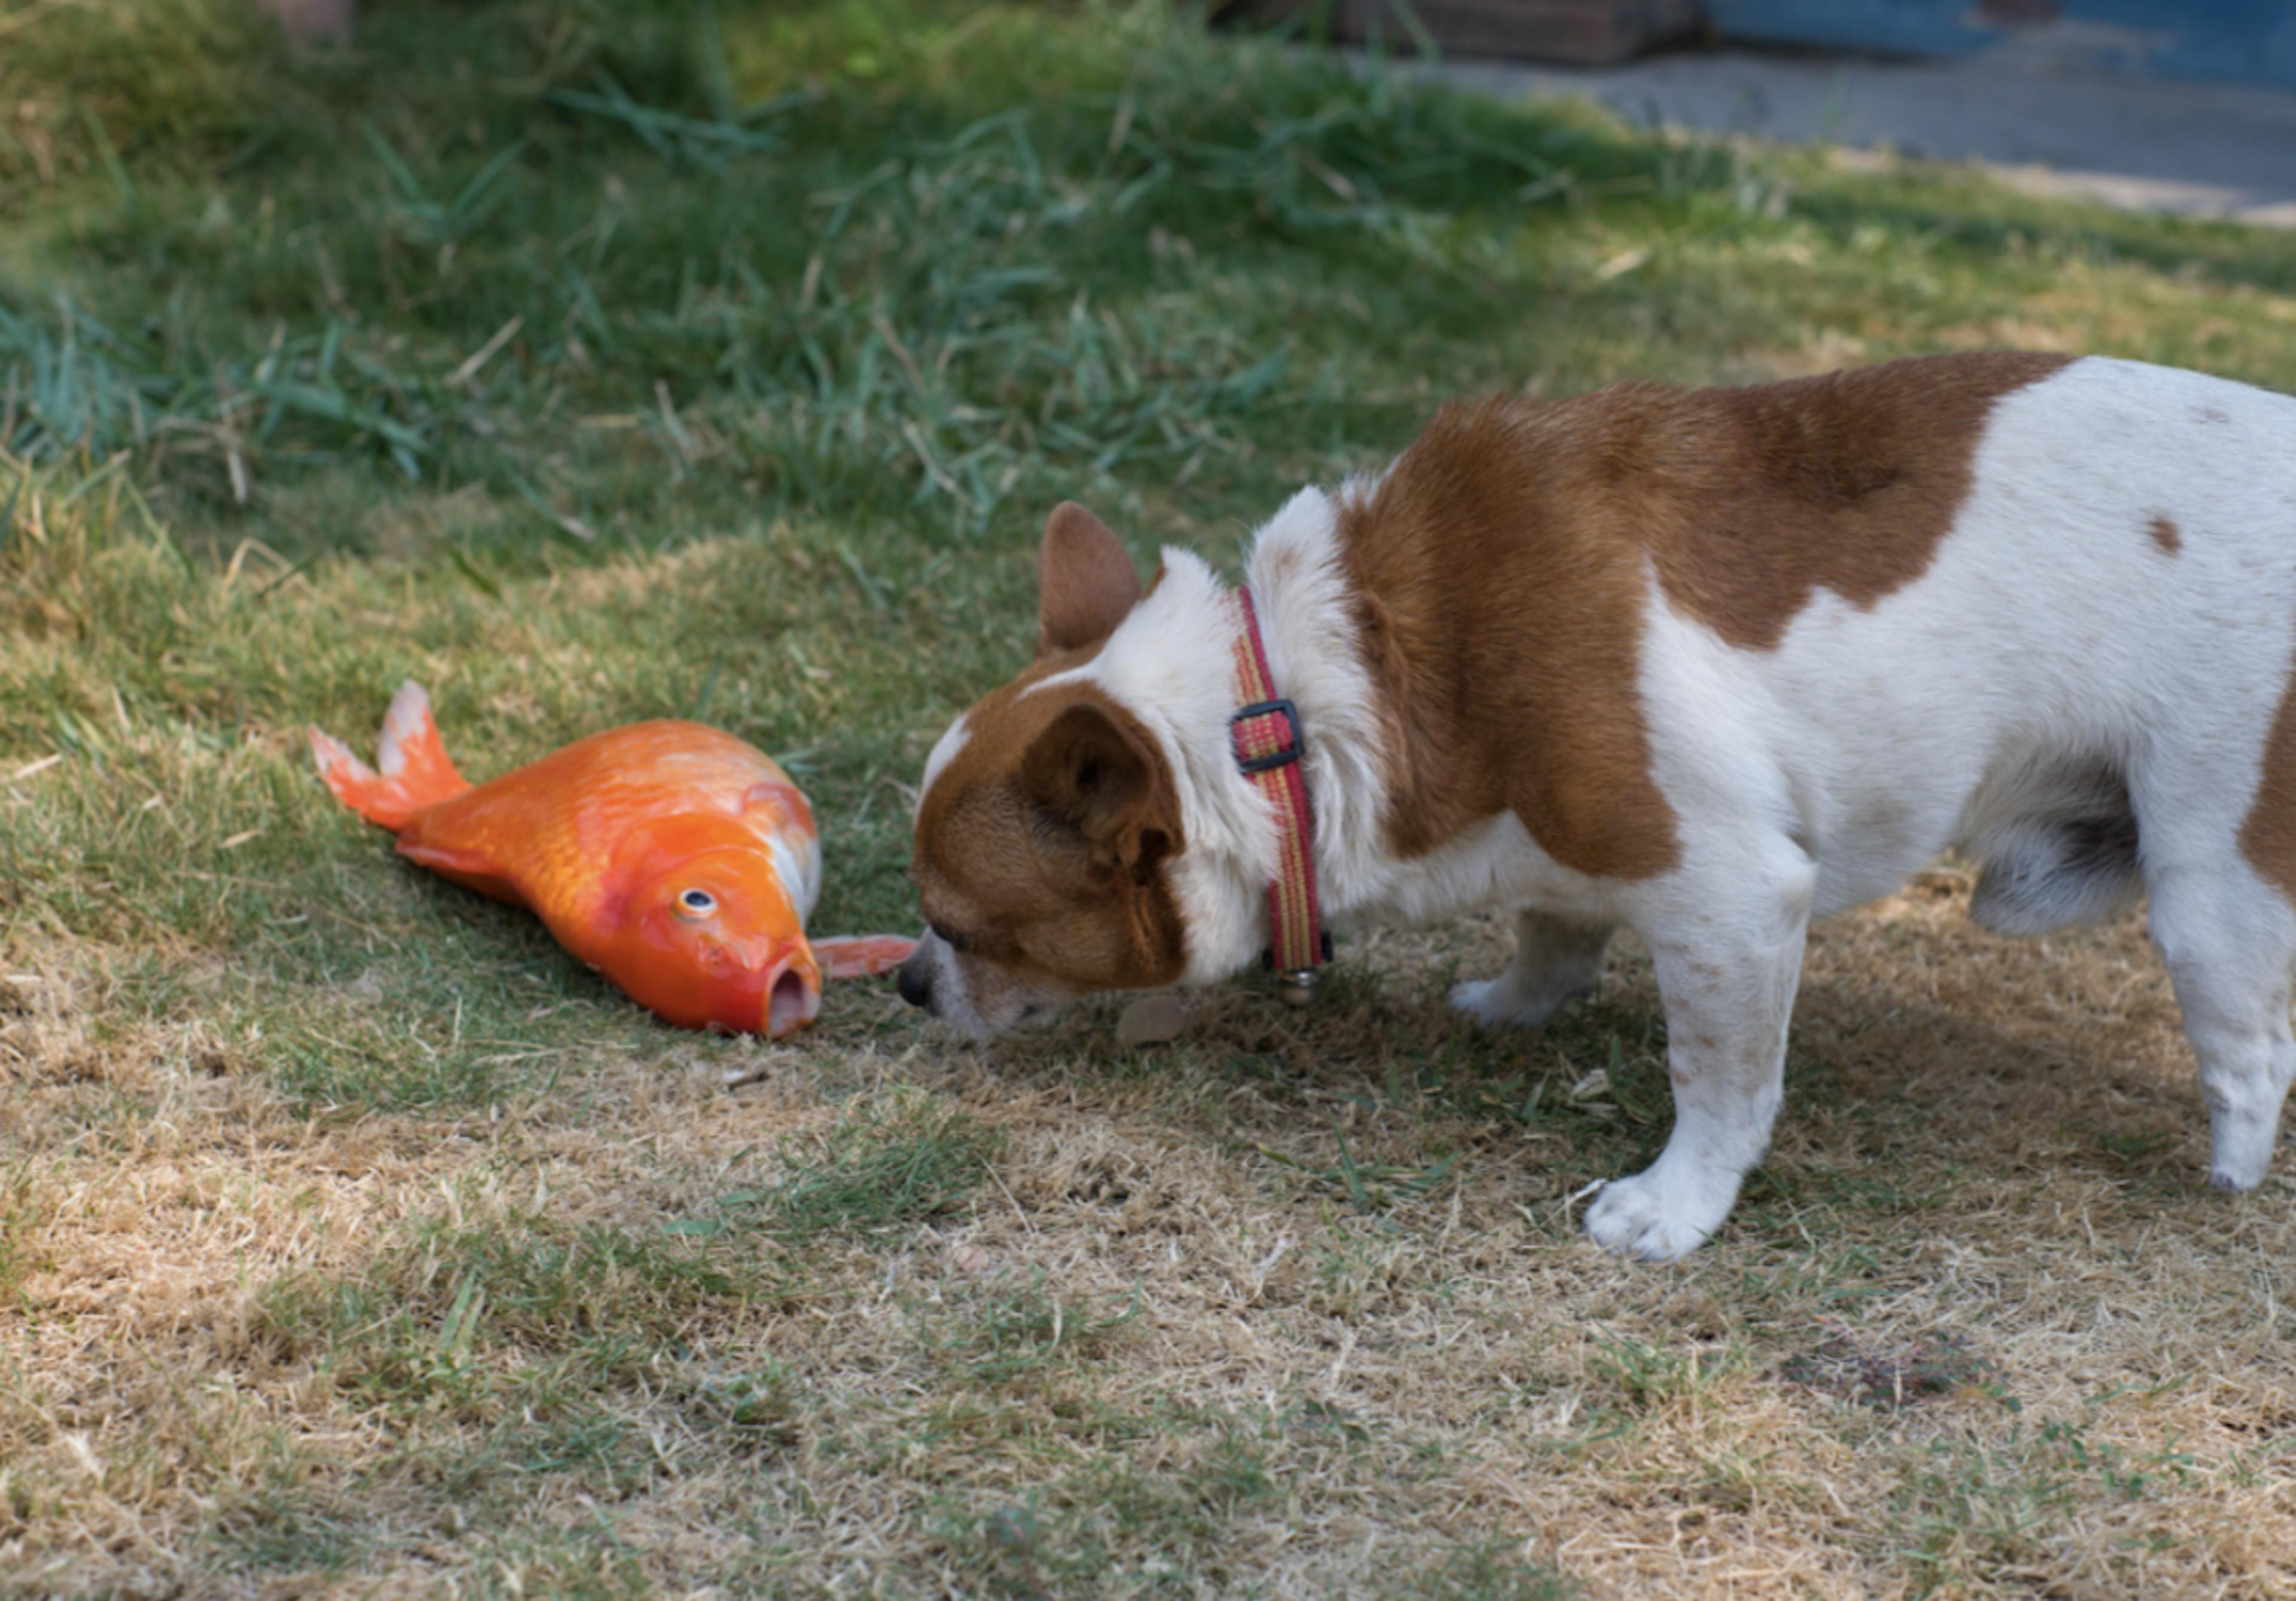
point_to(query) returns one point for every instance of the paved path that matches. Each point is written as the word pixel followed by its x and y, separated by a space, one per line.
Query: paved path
pixel 2199 149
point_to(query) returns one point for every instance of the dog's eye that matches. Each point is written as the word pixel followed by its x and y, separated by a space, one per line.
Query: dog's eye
pixel 696 903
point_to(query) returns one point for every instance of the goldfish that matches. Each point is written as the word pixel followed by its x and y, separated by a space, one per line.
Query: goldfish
pixel 674 859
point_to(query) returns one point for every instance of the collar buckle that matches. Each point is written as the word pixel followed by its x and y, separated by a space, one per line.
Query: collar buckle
pixel 1266 760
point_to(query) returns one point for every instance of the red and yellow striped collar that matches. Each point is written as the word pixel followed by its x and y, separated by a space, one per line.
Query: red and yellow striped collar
pixel 1268 740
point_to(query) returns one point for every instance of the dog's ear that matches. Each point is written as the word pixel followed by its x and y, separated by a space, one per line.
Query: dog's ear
pixel 1085 581
pixel 1092 772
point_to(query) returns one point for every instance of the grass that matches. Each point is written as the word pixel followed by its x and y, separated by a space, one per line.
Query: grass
pixel 601 361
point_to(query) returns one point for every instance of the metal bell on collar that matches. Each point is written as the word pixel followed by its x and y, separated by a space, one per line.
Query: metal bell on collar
pixel 1297 987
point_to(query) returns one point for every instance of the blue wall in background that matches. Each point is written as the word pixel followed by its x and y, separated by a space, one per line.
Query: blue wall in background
pixel 2252 41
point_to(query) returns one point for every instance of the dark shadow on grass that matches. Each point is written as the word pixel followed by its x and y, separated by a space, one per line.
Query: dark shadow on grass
pixel 1927 1098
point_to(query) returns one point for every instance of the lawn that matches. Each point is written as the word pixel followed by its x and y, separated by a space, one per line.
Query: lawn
pixel 592 362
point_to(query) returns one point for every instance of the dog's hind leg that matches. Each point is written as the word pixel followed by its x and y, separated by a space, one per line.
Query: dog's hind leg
pixel 1556 959
pixel 2229 939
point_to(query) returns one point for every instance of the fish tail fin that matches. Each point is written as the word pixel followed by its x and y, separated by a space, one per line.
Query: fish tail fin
pixel 415 770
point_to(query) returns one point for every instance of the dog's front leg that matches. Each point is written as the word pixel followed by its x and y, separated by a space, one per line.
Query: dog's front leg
pixel 1727 973
pixel 1556 960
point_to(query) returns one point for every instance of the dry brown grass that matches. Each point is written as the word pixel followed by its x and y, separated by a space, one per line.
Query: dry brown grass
pixel 1164 1329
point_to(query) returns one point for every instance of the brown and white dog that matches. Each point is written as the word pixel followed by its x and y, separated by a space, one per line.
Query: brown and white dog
pixel 1703 664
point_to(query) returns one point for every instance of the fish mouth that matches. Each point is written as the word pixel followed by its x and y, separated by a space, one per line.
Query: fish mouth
pixel 790 1003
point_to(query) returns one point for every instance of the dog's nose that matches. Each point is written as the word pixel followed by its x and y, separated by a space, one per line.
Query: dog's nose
pixel 915 984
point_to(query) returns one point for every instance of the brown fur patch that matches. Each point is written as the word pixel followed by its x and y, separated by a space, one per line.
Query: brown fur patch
pixel 1500 566
pixel 2268 835
pixel 1042 846
pixel 2164 535
pixel 1085 581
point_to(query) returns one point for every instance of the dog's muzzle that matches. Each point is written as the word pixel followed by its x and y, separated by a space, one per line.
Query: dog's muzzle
pixel 916 980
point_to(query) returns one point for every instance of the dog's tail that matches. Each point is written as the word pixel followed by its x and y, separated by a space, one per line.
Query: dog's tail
pixel 415 770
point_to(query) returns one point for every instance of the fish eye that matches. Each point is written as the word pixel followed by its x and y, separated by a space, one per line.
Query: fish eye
pixel 696 903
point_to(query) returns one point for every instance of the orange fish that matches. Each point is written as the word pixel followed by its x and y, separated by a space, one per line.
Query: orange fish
pixel 675 859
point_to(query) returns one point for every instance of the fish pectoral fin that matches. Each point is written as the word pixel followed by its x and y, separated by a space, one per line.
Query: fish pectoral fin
pixel 859 955
pixel 471 869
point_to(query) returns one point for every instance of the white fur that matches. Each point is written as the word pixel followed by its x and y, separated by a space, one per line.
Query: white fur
pixel 952 739
pixel 2052 688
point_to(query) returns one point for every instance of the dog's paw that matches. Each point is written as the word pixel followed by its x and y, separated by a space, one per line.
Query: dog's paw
pixel 2236 1174
pixel 1497 1003
pixel 2242 1152
pixel 1659 1215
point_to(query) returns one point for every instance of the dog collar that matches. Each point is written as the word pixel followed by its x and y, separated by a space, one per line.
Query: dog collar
pixel 1265 730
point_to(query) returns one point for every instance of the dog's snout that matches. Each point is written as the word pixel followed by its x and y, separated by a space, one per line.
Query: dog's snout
pixel 915 981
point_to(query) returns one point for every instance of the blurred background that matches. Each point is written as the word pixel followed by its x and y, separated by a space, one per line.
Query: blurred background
pixel 2183 106
pixel 273 244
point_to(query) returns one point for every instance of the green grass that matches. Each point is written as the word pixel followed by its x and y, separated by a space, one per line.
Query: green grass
pixel 600 361
pixel 901 1162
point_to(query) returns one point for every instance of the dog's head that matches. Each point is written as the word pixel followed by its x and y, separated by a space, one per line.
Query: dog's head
pixel 1047 821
